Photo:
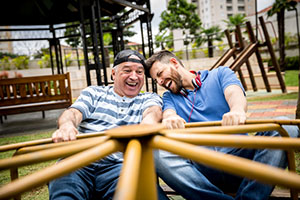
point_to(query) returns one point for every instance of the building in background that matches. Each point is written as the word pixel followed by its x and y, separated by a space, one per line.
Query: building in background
pixel 213 12
pixel 6 47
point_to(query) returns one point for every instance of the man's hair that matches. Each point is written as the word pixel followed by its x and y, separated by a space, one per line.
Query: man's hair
pixel 162 56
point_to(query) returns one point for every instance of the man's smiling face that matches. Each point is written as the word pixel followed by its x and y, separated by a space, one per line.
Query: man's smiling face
pixel 128 79
pixel 166 75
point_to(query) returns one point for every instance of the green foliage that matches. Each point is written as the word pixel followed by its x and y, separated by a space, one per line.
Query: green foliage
pixel 290 39
pixel 292 63
pixel 180 15
pixel 210 34
pixel 5 63
pixel 45 62
pixel 21 62
pixel 164 41
pixel 40 53
pixel 5 54
pixel 205 51
pixel 179 54
pixel 74 30
pixel 75 41
pixel 280 5
pixel 234 20
pixel 68 59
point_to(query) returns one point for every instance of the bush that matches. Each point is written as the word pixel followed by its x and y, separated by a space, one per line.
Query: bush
pixel 292 63
pixel 21 62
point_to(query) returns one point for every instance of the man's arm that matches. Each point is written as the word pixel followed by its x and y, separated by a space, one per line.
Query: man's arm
pixel 171 120
pixel 67 125
pixel 237 102
pixel 152 115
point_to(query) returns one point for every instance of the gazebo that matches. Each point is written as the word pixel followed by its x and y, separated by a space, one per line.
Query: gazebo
pixel 90 16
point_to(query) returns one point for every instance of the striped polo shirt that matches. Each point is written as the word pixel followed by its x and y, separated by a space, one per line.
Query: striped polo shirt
pixel 104 109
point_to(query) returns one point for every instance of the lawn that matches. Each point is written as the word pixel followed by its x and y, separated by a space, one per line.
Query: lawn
pixel 291 77
pixel 39 193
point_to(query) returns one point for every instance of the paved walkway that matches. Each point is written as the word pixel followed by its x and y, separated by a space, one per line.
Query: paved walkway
pixel 272 108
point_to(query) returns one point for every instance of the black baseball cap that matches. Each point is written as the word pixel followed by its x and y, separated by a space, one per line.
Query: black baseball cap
pixel 123 56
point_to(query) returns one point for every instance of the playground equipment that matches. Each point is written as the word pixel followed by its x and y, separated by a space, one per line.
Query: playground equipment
pixel 137 178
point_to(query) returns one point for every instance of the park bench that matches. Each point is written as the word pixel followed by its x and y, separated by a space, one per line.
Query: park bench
pixel 36 93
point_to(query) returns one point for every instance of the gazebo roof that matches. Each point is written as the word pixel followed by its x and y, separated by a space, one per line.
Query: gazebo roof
pixel 46 12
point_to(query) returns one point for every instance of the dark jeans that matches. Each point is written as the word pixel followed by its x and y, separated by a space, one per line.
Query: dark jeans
pixel 96 181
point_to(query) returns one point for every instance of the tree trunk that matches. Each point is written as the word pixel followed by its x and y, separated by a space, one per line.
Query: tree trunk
pixel 210 48
pixel 280 20
pixel 298 102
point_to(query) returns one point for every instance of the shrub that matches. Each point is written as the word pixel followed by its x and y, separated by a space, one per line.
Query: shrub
pixel 21 62
pixel 292 63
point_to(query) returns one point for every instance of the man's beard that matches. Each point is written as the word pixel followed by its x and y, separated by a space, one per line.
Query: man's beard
pixel 177 79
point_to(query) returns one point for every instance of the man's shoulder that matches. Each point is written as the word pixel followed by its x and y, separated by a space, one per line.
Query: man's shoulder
pixel 98 88
pixel 146 95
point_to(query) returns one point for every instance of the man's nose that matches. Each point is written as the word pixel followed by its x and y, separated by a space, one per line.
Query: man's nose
pixel 160 81
pixel 133 75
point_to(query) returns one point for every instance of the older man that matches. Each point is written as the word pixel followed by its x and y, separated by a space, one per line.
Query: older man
pixel 99 108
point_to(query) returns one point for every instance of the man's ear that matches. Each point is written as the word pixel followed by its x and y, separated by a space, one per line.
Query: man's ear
pixel 113 74
pixel 174 62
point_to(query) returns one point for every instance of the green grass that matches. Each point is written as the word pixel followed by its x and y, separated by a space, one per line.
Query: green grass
pixel 291 77
pixel 291 96
pixel 40 193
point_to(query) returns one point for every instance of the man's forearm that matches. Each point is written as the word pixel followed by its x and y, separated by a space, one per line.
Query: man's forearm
pixel 70 116
pixel 152 115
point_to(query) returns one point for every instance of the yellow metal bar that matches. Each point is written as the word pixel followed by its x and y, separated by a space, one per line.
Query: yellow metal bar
pixel 226 129
pixel 249 121
pixel 49 154
pixel 128 182
pixel 147 179
pixel 62 168
pixel 43 141
pixel 30 149
pixel 244 141
pixel 231 164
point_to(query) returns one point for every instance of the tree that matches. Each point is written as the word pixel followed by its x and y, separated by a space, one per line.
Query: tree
pixel 210 34
pixel 180 15
pixel 233 21
pixel 107 38
pixel 164 41
pixel 279 8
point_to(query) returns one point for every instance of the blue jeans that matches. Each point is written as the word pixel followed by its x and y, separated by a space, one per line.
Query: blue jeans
pixel 96 181
pixel 196 181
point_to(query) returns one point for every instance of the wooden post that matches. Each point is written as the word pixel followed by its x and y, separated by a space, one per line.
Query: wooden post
pixel 234 56
pixel 258 56
pixel 272 54
pixel 241 44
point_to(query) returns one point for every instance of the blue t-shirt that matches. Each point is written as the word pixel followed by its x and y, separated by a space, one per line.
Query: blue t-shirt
pixel 209 101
